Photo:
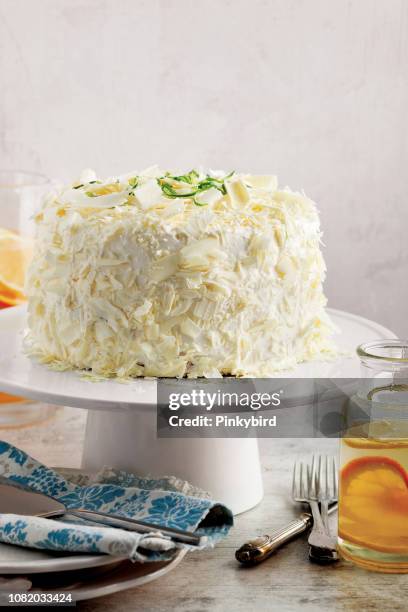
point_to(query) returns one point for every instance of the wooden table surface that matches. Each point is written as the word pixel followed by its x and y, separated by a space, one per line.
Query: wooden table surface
pixel 213 580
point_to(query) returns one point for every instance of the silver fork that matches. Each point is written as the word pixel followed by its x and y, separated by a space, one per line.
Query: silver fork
pixel 260 548
pixel 324 486
pixel 304 489
pixel 325 479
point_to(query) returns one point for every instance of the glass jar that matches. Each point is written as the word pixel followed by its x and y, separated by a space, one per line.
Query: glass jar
pixel 373 496
pixel 21 195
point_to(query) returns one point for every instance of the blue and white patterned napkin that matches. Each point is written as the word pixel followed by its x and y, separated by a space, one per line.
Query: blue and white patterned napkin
pixel 162 502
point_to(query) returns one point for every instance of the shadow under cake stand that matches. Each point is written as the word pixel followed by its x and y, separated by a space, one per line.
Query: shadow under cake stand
pixel 121 425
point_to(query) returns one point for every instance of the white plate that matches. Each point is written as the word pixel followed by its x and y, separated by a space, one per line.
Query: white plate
pixel 89 584
pixel 19 560
pixel 21 375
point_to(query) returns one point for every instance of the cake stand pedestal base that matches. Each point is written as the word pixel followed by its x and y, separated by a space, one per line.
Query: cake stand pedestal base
pixel 228 468
pixel 122 419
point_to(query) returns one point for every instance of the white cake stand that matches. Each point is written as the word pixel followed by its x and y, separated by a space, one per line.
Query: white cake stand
pixel 121 425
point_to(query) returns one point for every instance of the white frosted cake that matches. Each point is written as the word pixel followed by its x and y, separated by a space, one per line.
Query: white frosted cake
pixel 153 274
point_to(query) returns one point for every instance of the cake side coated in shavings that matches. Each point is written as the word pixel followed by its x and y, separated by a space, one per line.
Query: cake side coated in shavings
pixel 158 274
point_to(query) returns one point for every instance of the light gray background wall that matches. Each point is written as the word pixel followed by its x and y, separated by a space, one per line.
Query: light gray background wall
pixel 313 90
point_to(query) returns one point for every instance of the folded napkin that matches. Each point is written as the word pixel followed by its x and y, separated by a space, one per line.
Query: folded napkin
pixel 167 502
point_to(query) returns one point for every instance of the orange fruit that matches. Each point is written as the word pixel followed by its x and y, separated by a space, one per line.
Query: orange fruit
pixel 15 254
pixel 373 508
pixel 5 398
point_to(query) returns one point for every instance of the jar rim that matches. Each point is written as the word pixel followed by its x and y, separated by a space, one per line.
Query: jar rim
pixel 367 350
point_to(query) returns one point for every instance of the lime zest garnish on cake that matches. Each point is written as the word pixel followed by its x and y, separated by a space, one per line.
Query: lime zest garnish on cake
pixel 190 185
pixel 189 177
pixel 175 189
pixel 146 189
pixel 134 181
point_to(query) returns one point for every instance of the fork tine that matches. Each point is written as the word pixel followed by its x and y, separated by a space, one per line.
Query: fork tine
pixel 327 475
pixel 323 488
pixel 304 481
pixel 330 479
pixel 313 479
pixel 309 479
pixel 294 480
pixel 318 476
pixel 335 479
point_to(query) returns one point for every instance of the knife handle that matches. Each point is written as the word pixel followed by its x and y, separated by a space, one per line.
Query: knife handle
pixel 257 550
